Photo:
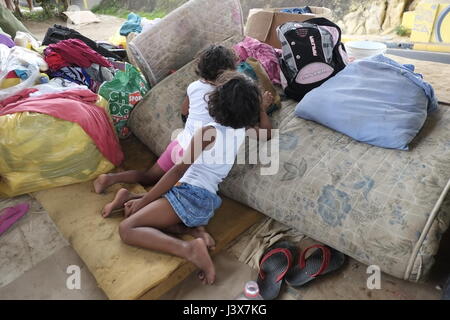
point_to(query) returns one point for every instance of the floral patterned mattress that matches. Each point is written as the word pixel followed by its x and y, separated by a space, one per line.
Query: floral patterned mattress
pixel 382 207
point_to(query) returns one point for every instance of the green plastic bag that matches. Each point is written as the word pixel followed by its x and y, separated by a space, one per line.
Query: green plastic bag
pixel 123 93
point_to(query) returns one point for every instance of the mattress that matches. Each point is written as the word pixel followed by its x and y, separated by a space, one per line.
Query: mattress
pixel 382 207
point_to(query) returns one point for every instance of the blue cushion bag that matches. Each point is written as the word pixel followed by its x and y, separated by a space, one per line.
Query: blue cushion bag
pixel 375 100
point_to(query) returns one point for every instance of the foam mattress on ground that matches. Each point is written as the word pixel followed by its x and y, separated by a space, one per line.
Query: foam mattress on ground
pixel 122 271
pixel 379 206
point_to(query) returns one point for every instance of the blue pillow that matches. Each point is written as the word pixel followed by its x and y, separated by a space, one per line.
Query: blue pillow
pixel 375 100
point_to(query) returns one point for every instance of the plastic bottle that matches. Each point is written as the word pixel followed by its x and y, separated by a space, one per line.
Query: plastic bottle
pixel 251 292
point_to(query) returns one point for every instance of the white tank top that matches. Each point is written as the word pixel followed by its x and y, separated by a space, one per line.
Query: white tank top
pixel 213 165
pixel 198 116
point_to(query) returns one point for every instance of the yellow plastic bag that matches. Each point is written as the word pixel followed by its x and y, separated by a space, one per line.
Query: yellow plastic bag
pixel 38 152
pixel 118 40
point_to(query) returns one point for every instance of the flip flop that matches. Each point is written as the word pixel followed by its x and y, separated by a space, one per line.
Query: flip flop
pixel 274 265
pixel 321 262
pixel 11 215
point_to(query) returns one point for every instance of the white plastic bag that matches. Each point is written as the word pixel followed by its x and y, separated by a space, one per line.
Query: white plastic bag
pixel 26 40
pixel 18 58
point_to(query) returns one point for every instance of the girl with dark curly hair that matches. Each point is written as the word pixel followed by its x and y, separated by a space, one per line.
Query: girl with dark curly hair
pixel 210 64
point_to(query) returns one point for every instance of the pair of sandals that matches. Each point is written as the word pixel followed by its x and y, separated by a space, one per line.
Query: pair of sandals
pixel 283 261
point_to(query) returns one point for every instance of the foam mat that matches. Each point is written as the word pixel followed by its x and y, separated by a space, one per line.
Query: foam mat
pixel 122 271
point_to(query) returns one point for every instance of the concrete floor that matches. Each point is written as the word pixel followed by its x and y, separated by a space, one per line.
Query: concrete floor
pixel 34 258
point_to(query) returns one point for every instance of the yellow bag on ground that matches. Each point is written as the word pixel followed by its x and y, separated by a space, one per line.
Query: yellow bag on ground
pixel 118 40
pixel 38 151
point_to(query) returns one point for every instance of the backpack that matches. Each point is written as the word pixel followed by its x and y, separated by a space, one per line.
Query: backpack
pixel 312 52
pixel 57 33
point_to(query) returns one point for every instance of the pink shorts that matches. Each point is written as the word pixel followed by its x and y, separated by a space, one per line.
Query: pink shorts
pixel 170 156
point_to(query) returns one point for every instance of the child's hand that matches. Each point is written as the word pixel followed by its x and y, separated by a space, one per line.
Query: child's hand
pixel 132 206
pixel 267 101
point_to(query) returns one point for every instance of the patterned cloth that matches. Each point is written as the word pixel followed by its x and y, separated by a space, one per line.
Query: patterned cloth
pixel 77 75
pixel 262 52
pixel 302 10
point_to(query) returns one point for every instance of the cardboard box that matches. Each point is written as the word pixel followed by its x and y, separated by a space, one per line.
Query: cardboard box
pixel 262 23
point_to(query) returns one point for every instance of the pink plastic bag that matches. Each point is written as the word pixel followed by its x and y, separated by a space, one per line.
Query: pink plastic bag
pixel 262 52
pixel 11 215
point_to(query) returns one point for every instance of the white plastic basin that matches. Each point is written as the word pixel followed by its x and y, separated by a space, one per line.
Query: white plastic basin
pixel 364 49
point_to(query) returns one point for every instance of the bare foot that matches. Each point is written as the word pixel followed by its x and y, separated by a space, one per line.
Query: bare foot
pixel 101 183
pixel 200 257
pixel 122 196
pixel 200 232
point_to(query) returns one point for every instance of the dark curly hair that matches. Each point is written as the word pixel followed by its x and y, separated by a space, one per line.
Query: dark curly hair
pixel 236 101
pixel 214 60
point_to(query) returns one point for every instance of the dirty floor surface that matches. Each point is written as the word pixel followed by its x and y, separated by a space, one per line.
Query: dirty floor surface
pixel 36 262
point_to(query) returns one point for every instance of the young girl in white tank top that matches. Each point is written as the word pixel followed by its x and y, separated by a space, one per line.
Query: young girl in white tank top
pixel 185 198
pixel 211 63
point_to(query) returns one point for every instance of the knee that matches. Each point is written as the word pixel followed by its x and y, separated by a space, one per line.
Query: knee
pixel 124 231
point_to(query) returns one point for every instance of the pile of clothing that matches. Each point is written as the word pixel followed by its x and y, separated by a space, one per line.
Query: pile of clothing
pixel 62 108
pixel 73 60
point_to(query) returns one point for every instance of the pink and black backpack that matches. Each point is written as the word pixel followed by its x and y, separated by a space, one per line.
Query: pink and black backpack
pixel 312 53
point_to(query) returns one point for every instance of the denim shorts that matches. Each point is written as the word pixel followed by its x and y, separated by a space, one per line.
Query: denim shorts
pixel 194 206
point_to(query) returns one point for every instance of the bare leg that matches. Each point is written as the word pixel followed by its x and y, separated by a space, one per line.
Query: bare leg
pixel 17 8
pixel 30 5
pixel 143 230
pixel 145 178
pixel 9 5
pixel 122 196
pixel 198 232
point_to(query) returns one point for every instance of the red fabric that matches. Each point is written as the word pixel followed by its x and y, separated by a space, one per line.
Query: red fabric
pixel 25 93
pixel 326 254
pixel 76 52
pixel 75 106
pixel 284 251
pixel 11 74
pixel 55 61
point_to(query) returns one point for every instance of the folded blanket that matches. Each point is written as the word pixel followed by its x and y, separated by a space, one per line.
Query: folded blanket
pixel 377 101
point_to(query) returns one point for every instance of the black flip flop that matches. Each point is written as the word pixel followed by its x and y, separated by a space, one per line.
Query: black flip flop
pixel 274 265
pixel 321 262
